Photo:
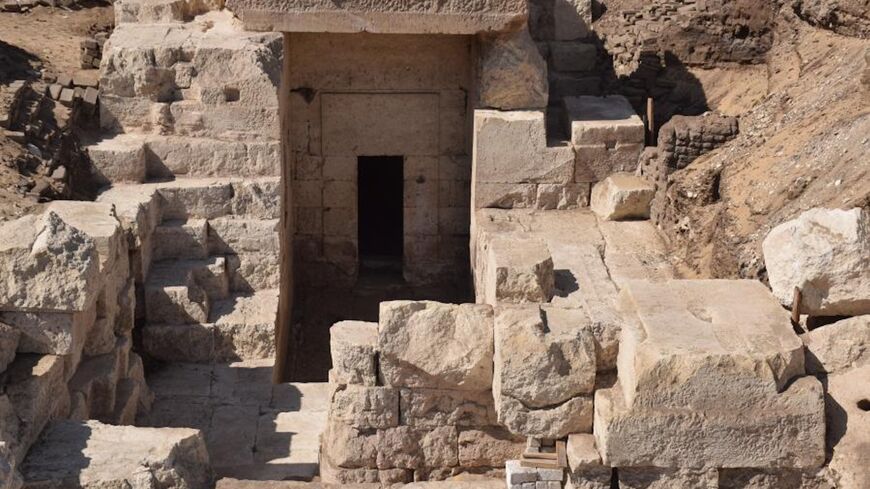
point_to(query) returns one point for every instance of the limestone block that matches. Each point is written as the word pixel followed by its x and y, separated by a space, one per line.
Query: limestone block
pixel 430 408
pixel 572 416
pixel 250 272
pixel 347 447
pixel 181 239
pixel 518 270
pixel 36 389
pixel 439 447
pixel 556 196
pixel 203 157
pixel 380 124
pixel 9 425
pixel 168 457
pixel 838 346
pixel 488 447
pixel 603 120
pixel 96 380
pixel 192 343
pixel 785 430
pixel 596 162
pixel 62 333
pixel 414 17
pixel 428 344
pixel 234 236
pixel 505 195
pixel 656 478
pixel 518 474
pixel 847 414
pixel 540 362
pixel 198 198
pixel 511 147
pixel 244 326
pixel 513 75
pixel 353 346
pixel 573 19
pixel 824 253
pixel 775 479
pixel 399 448
pixel 47 264
pixel 622 196
pixel 176 304
pixel 119 159
pixel 697 342
pixel 257 198
pixel 366 407
pixel 586 471
pixel 8 344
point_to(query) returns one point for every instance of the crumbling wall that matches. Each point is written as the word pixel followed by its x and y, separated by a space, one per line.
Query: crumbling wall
pixel 67 312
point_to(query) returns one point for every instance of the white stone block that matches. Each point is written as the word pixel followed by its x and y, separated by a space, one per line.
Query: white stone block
pixel 518 270
pixel 353 345
pixel 622 196
pixel 839 346
pixel 119 159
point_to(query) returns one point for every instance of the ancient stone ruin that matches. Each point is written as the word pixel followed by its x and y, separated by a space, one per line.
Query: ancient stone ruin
pixel 412 244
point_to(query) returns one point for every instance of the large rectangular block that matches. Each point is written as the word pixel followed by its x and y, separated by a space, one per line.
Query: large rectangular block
pixel 608 120
pixel 235 236
pixel 353 345
pixel 380 124
pixel 119 159
pixel 511 147
pixel 430 408
pixel 518 270
pixel 366 408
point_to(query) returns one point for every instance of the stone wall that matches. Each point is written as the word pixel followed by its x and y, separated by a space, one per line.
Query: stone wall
pixel 379 95
pixel 67 312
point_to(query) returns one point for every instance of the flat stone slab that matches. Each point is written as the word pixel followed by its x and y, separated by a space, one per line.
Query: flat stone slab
pixel 387 17
pixel 73 454
pixel 608 119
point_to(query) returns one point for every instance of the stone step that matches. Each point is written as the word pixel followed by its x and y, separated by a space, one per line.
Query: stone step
pixel 176 304
pixel 240 327
pixel 210 274
pixel 179 239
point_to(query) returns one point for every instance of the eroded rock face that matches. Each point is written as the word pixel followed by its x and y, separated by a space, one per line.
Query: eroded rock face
pixel 9 477
pixel 87 455
pixel 513 75
pixel 47 265
pixel 428 344
pixel 824 253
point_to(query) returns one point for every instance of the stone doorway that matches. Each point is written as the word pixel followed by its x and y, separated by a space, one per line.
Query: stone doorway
pixel 380 201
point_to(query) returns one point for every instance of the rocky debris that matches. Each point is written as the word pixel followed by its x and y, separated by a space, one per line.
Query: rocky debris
pixel 433 345
pixel 824 254
pixel 848 18
pixel 622 196
pixel 758 365
pixel 85 454
pixel 839 346
pixel 513 75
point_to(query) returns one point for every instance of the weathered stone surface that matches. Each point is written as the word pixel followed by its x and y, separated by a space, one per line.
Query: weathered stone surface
pixel 541 362
pixel 824 253
pixel 513 75
pixel 47 265
pixel 9 476
pixel 406 448
pixel 786 430
pixel 622 196
pixel 428 344
pixel 234 236
pixel 511 147
pixel 572 19
pixel 74 454
pixel 250 272
pixel 847 411
pixel 556 196
pixel 572 416
pixel 176 304
pixel 488 447
pixel 696 341
pixel 839 346
pixel 518 270
pixel 414 17
pixel 584 462
pixel 430 408
pixel 366 408
pixel 606 133
pixel 655 478
pixel 119 159
pixel 37 391
pixel 162 11
pixel 8 344
pixel 244 326
pixel 177 239
pixel 353 345
pixel 775 479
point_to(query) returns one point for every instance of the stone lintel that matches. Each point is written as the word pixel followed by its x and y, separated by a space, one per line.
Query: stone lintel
pixel 383 17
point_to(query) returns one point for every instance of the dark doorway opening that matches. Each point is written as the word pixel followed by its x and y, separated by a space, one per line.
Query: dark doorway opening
pixel 381 217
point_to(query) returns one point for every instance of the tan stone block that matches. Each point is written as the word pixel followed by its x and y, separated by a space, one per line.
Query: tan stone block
pixel 353 345
pixel 572 416
pixel 603 120
pixel 597 161
pixel 489 447
pixel 839 346
pixel 557 196
pixel 513 75
pixel 380 124
pixel 234 236
pixel 181 239
pixel 430 408
pixel 366 407
pixel 119 159
pixel 622 196
pixel 340 168
pixel 339 221
pixel 440 345
pixel 340 194
pixel 504 195
pixel 518 270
